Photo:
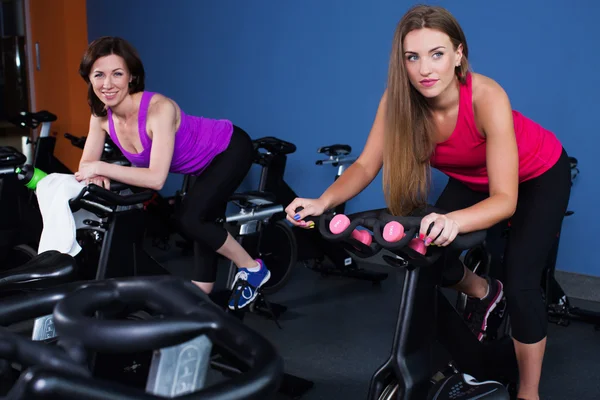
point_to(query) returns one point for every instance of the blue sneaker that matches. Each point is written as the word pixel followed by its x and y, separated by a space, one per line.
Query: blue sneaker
pixel 246 286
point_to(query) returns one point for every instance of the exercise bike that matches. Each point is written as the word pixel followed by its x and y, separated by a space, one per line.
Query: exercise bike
pixel 183 328
pixel 20 219
pixel 432 342
pixel 44 144
pixel 312 249
pixel 258 227
pixel 20 222
pixel 339 157
pixel 112 242
pixel 257 222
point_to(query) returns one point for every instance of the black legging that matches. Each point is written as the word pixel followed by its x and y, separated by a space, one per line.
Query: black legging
pixel 206 201
pixel 541 207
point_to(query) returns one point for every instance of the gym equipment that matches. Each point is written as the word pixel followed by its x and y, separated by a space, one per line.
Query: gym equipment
pixel 258 223
pixel 182 328
pixel 312 249
pixel 114 241
pixel 44 144
pixel 339 157
pixel 257 229
pixel 20 222
pixel 112 246
pixel 20 219
pixel 428 328
pixel 264 237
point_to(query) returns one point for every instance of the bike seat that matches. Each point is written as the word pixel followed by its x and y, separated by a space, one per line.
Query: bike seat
pixel 44 270
pixel 253 198
pixel 274 145
pixel 463 386
pixel 32 120
pixel 11 157
pixel 335 150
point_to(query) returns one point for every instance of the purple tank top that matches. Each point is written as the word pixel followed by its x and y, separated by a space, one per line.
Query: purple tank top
pixel 197 141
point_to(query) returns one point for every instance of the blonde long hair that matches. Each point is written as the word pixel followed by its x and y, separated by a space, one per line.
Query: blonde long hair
pixel 409 128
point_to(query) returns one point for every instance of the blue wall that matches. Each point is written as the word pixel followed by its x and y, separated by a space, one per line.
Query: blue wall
pixel 312 72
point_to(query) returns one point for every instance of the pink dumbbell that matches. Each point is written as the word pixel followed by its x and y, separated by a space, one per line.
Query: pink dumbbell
pixel 340 223
pixel 362 236
pixel 393 231
pixel 418 245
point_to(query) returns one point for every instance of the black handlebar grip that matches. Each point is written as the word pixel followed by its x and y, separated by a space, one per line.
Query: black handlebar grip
pixel 76 318
pixel 117 199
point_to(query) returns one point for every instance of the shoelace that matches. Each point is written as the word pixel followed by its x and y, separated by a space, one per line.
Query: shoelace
pixel 243 275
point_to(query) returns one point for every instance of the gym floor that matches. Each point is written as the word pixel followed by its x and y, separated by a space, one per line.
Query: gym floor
pixel 338 331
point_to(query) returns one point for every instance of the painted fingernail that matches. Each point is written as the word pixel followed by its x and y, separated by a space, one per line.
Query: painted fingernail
pixel 311 224
pixel 302 223
pixel 422 237
pixel 428 241
pixel 297 217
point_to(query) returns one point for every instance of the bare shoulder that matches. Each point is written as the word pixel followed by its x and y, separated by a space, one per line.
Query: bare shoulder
pixel 163 114
pixel 164 110
pixel 98 123
pixel 162 105
pixel 486 90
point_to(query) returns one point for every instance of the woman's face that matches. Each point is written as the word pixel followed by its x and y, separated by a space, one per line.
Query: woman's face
pixel 110 79
pixel 430 60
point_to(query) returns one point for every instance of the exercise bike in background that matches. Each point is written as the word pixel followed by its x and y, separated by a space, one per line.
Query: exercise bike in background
pixel 312 248
pixel 43 144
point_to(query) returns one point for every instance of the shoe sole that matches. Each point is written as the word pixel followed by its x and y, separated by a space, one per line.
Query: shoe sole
pixel 251 299
pixel 494 303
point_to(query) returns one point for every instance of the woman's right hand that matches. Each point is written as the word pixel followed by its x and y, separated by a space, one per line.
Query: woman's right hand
pixel 101 181
pixel 310 207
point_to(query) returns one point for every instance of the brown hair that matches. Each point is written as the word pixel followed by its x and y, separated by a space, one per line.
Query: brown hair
pixel 105 46
pixel 409 129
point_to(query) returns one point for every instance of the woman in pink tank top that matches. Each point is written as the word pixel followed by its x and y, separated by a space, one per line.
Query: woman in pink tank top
pixel 501 165
pixel 157 137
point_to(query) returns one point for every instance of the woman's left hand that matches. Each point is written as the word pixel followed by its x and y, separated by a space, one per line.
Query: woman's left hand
pixel 443 231
pixel 87 170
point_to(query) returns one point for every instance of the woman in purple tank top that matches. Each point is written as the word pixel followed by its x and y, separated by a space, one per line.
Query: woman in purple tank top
pixel 157 137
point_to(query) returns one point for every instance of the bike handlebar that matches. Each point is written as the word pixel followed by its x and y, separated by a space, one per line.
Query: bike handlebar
pixel 78 142
pixel 183 312
pixel 375 220
pixel 96 199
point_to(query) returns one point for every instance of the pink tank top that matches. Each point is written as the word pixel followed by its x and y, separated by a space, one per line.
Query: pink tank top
pixel 463 155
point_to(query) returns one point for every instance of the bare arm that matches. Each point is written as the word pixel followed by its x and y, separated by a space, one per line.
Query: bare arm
pixel 94 143
pixel 362 172
pixel 495 113
pixel 354 180
pixel 162 124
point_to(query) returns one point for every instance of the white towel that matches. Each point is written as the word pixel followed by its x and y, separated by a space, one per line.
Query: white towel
pixel 59 230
